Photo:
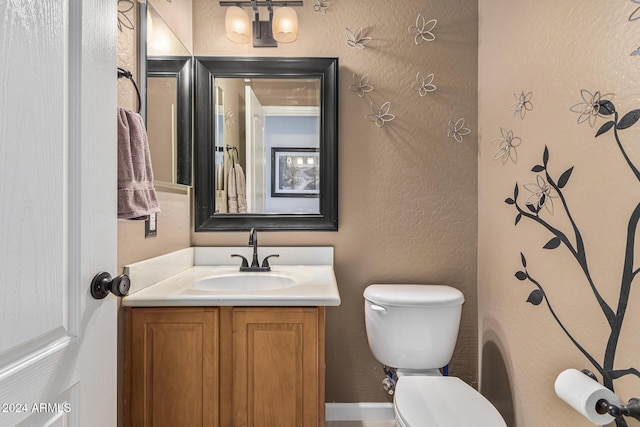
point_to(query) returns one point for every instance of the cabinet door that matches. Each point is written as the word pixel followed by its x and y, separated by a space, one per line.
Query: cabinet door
pixel 173 367
pixel 278 368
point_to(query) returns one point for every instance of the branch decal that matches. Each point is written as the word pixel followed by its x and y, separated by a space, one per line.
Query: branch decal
pixel 549 186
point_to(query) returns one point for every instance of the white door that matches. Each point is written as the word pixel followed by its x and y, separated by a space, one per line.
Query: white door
pixel 57 212
pixel 256 153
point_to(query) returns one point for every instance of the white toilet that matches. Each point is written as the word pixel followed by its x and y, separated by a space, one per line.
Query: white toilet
pixel 414 328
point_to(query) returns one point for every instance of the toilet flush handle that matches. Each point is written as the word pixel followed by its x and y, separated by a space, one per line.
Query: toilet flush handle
pixel 376 307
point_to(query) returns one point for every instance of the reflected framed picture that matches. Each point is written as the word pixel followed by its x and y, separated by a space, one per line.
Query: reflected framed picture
pixel 295 172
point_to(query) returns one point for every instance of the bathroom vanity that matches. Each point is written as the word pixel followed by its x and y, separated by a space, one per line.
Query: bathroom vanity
pixel 225 366
pixel 200 354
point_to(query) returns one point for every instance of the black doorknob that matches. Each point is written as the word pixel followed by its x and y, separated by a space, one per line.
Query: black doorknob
pixel 102 284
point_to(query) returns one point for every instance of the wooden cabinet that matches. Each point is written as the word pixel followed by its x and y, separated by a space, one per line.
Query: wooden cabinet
pixel 172 367
pixel 276 367
pixel 225 366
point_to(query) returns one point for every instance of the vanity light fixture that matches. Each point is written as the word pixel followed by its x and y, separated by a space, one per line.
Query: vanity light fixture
pixel 282 25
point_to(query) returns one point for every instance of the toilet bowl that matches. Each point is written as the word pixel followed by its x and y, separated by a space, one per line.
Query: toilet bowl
pixel 422 401
pixel 414 328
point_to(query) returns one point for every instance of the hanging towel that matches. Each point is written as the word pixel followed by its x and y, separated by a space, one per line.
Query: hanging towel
pixel 237 190
pixel 221 201
pixel 136 195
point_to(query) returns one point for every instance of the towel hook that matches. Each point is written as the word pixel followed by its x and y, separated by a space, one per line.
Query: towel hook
pixel 235 151
pixel 127 74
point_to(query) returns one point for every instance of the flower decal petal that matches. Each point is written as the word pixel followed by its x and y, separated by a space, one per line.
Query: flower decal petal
pixel 124 7
pixel 361 86
pixel 589 108
pixel 321 6
pixel 228 118
pixel 380 115
pixel 422 30
pixel 457 130
pixel 635 15
pixel 522 104
pixel 424 85
pixel 356 39
pixel 540 195
pixel 506 146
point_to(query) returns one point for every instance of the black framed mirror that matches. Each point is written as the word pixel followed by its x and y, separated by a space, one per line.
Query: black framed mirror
pixel 168 113
pixel 266 143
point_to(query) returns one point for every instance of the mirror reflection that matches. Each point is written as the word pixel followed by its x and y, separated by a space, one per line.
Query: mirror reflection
pixel 168 29
pixel 165 60
pixel 267 145
pixel 162 97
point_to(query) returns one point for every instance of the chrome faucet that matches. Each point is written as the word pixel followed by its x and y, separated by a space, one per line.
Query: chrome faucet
pixel 255 264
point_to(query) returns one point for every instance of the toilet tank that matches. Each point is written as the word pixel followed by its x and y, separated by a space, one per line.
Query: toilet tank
pixel 412 326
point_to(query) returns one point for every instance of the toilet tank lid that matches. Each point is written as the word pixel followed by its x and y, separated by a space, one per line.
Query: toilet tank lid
pixel 414 295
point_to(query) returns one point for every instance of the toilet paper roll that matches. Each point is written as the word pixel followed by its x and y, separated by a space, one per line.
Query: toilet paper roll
pixel 582 393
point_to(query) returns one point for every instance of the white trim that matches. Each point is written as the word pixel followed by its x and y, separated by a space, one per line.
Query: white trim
pixel 360 411
pixel 291 110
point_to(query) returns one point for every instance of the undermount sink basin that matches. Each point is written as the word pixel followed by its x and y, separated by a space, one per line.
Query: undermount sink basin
pixel 245 281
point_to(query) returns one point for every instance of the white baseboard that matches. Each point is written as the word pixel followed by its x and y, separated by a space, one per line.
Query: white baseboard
pixel 361 411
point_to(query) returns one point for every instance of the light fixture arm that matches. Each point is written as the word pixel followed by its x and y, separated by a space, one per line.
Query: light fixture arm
pixel 264 3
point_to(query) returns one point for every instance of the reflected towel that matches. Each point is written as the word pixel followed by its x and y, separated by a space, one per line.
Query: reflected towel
pixel 136 195
pixel 237 190
pixel 221 201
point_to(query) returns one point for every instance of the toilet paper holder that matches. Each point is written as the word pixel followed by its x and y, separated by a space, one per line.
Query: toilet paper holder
pixel 631 409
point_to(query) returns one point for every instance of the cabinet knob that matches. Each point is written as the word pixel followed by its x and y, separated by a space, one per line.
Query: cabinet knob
pixel 103 283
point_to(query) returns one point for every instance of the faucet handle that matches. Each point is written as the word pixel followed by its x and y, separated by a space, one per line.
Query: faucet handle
pixel 265 261
pixel 245 263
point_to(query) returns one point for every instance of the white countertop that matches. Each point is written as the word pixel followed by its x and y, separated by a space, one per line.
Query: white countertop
pixel 168 280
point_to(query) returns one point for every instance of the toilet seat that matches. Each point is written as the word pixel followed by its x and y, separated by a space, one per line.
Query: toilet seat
pixel 422 401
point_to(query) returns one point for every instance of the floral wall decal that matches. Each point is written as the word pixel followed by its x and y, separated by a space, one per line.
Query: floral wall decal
pixel 356 39
pixel 546 188
pixel 321 6
pixel 124 7
pixel 592 106
pixel 229 121
pixel 377 114
pixel 457 130
pixel 422 30
pixel 506 146
pixel 361 85
pixel 540 195
pixel 635 15
pixel 380 114
pixel 424 85
pixel 522 104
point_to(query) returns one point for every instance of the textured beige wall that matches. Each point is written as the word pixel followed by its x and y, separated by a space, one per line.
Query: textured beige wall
pixel 407 193
pixel 553 49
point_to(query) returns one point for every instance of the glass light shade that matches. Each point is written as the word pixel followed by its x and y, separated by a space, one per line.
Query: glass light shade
pixel 285 24
pixel 237 25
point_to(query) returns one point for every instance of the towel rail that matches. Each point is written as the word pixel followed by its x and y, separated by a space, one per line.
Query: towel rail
pixel 127 74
